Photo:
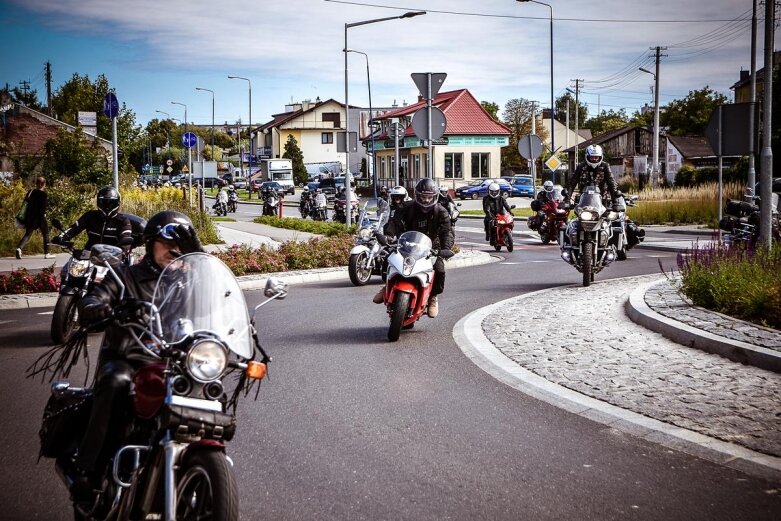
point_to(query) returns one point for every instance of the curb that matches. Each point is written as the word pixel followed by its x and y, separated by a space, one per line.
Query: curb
pixel 254 282
pixel 470 338
pixel 742 352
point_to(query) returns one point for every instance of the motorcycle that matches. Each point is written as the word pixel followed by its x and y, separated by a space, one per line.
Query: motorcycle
pixel 551 216
pixel 220 209
pixel 626 234
pixel 586 242
pixel 502 231
pixel 741 222
pixel 305 205
pixel 410 279
pixel 368 256
pixel 340 210
pixel 233 199
pixel 171 461
pixel 77 277
pixel 271 204
pixel 320 210
pixel 452 210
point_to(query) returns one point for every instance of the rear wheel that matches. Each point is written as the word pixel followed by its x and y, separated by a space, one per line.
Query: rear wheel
pixel 65 318
pixel 545 238
pixel 588 263
pixel 508 240
pixel 400 305
pixel 475 195
pixel 207 488
pixel 360 273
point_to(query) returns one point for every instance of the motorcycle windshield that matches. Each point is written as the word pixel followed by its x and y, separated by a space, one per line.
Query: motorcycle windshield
pixel 414 244
pixel 590 198
pixel 197 292
pixel 555 194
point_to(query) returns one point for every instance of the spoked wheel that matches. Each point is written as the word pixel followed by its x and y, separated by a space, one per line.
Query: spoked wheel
pixel 588 263
pixel 207 489
pixel 65 319
pixel 359 271
pixel 508 240
pixel 400 305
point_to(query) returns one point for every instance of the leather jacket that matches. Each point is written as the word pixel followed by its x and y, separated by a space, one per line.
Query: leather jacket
pixel 114 231
pixel 434 223
pixel 599 176
pixel 493 206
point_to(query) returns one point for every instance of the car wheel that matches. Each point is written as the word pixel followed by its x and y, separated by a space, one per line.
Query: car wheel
pixel 505 195
pixel 475 195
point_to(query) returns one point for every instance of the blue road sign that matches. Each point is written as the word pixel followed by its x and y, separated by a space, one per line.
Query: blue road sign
pixel 189 139
pixel 110 105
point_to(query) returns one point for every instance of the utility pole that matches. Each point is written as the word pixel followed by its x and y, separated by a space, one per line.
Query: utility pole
pixel 766 155
pixel 49 88
pixel 655 168
pixel 534 132
pixel 577 120
pixel 752 173
pixel 25 87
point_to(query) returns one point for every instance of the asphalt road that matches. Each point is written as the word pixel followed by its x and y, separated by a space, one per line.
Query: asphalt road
pixel 351 426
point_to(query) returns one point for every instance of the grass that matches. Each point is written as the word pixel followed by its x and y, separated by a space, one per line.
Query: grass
pixel 696 205
pixel 741 283
pixel 329 229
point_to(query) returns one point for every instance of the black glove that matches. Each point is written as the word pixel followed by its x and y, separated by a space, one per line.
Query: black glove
pixel 58 240
pixel 184 236
pixel 131 310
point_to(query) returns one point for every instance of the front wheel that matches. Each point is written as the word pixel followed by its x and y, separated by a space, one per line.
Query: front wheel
pixel 588 263
pixel 65 319
pixel 207 488
pixel 474 196
pixel 400 305
pixel 359 271
pixel 508 240
pixel 622 253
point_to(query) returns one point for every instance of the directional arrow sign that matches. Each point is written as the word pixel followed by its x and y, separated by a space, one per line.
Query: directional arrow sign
pixel 421 81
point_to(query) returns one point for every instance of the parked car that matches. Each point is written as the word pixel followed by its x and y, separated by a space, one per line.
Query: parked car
pixel 522 185
pixel 479 188
pixel 269 185
pixel 239 183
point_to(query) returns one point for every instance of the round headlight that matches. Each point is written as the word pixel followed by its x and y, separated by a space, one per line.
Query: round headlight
pixel 587 216
pixel 207 360
pixel 78 268
pixel 409 263
pixel 365 234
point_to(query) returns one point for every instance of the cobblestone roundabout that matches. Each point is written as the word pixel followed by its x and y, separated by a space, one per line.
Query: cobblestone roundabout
pixel 594 349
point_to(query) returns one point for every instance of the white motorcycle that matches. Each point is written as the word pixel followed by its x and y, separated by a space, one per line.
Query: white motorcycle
pixel 368 256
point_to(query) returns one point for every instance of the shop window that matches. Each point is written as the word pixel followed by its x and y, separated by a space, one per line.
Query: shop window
pixel 454 166
pixel 480 165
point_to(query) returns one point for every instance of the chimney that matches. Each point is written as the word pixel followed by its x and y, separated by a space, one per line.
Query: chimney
pixel 745 75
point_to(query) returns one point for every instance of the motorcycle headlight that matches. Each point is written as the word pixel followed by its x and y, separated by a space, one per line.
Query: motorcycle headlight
pixel 409 263
pixel 207 360
pixel 612 216
pixel 365 234
pixel 587 215
pixel 78 268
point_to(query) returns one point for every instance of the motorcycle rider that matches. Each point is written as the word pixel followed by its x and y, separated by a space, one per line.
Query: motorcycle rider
pixel 546 193
pixel 305 201
pixel 321 201
pixel 397 194
pixel 493 205
pixel 104 225
pixel 594 171
pixel 167 235
pixel 424 214
pixel 222 201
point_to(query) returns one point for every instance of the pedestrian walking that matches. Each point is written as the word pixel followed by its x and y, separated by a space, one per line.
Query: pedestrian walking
pixel 35 217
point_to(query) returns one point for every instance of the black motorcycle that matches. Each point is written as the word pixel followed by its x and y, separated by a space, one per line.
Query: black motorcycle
pixel 271 204
pixel 77 278
pixel 741 222
pixel 233 200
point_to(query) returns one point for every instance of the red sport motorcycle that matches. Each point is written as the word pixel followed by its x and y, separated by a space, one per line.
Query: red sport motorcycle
pixel 552 216
pixel 502 230
pixel 196 352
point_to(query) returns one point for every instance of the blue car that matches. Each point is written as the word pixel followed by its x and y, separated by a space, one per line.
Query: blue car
pixel 479 188
pixel 522 186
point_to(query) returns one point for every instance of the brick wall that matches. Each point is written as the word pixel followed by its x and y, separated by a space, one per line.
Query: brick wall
pixel 27 135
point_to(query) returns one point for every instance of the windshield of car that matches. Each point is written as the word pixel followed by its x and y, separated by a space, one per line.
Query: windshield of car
pixel 476 182
pixel 522 181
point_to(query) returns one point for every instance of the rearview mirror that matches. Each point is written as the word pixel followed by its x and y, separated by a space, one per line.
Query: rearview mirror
pixel 275 288
pixel 105 255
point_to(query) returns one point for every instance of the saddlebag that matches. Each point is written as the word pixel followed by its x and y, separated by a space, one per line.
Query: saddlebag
pixel 634 235
pixel 727 223
pixel 533 222
pixel 65 419
pixel 189 422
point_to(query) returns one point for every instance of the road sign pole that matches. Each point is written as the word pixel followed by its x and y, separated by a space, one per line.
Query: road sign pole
pixel 430 166
pixel 114 154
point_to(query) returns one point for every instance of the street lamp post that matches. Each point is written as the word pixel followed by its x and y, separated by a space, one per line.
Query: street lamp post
pixel 552 100
pixel 251 150
pixel 168 136
pixel 655 166
pixel 371 120
pixel 209 90
pixel 348 175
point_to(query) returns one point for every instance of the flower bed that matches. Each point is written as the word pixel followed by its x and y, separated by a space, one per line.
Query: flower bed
pixel 21 281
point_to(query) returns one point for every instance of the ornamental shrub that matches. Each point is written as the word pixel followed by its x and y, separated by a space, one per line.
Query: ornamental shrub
pixel 21 281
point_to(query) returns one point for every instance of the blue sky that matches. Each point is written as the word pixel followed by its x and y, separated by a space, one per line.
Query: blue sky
pixel 157 51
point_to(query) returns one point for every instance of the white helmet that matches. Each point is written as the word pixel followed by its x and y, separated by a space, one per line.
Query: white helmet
pixel 593 155
pixel 548 186
pixel 493 190
pixel 443 190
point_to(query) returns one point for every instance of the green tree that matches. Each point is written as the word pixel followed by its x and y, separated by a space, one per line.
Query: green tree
pixel 518 116
pixel 689 116
pixel 292 151
pixel 29 98
pixel 71 155
pixel 561 111
pixel 492 109
pixel 642 120
pixel 606 121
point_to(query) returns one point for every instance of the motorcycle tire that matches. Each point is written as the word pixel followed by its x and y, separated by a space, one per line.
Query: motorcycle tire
pixel 359 272
pixel 621 253
pixel 65 319
pixel 400 305
pixel 588 263
pixel 508 240
pixel 545 239
pixel 207 488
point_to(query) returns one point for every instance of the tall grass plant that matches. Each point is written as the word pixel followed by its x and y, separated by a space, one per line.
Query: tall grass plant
pixel 682 205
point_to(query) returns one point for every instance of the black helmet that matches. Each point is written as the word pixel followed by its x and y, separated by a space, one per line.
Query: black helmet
pixel 108 201
pixel 160 224
pixel 426 193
